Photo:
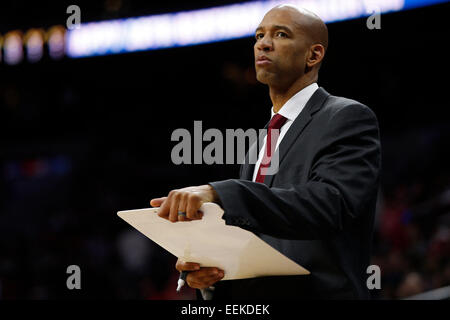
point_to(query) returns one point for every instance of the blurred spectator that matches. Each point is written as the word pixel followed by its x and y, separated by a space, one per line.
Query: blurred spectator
pixel 412 284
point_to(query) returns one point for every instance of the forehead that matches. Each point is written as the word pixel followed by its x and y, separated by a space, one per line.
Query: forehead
pixel 285 17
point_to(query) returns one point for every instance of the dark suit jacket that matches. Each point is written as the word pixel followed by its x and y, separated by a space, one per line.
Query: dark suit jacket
pixel 318 209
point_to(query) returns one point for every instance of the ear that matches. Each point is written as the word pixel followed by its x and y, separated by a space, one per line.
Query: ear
pixel 316 55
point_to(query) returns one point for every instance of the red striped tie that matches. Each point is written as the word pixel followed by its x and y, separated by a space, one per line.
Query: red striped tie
pixel 276 122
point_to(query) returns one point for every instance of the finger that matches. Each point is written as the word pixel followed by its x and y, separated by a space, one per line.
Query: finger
pixel 157 201
pixel 182 208
pixel 206 274
pixel 164 209
pixel 187 266
pixel 175 200
pixel 204 278
pixel 193 204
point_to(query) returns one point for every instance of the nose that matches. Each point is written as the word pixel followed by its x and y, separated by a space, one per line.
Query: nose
pixel 265 44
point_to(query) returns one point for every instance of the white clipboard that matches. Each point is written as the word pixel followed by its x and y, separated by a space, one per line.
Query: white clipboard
pixel 212 243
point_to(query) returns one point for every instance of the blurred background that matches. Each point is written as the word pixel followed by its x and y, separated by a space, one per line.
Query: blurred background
pixel 85 133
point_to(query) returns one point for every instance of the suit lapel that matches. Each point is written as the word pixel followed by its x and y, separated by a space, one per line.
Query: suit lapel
pixel 247 171
pixel 313 105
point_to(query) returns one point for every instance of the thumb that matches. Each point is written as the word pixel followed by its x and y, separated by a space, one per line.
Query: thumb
pixel 187 266
pixel 157 201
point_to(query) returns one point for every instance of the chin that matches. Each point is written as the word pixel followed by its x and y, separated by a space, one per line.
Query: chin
pixel 263 77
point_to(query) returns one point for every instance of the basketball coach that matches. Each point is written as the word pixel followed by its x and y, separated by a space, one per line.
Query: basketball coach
pixel 319 208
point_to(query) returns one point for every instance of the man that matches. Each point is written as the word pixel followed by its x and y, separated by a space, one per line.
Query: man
pixel 318 209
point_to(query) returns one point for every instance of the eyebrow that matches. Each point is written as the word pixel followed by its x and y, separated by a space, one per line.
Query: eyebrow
pixel 276 27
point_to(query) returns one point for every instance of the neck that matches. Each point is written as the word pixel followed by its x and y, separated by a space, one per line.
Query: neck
pixel 280 95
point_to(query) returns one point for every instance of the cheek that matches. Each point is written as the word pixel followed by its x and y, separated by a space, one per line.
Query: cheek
pixel 292 60
pixel 300 59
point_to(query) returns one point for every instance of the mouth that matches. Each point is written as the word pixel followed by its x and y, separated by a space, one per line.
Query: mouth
pixel 263 60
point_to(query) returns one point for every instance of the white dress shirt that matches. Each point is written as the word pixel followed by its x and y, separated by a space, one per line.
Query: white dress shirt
pixel 290 110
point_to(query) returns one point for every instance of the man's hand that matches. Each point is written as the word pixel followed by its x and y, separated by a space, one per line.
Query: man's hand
pixel 187 200
pixel 199 278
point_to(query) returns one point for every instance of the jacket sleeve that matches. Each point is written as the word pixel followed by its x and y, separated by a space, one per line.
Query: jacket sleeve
pixel 343 178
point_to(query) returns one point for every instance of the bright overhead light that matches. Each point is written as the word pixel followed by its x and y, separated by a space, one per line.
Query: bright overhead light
pixel 56 42
pixel 34 42
pixel 13 47
pixel 202 26
pixel 180 28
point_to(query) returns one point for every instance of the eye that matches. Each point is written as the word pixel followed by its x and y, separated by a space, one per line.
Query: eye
pixel 281 34
pixel 259 36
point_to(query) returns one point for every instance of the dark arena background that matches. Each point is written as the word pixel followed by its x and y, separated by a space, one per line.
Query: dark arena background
pixel 82 137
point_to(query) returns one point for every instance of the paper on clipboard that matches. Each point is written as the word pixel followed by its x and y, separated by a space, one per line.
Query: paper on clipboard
pixel 212 243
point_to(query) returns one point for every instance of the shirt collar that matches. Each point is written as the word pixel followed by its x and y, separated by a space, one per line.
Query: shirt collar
pixel 292 108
